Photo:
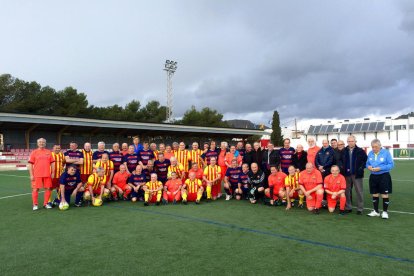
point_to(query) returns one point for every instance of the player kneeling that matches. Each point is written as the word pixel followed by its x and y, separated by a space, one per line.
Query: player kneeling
pixel 153 190
pixel 95 188
pixel 310 181
pixel 276 191
pixel 293 190
pixel 70 183
pixel 192 189
pixel 232 185
pixel 120 185
pixel 335 185
pixel 172 189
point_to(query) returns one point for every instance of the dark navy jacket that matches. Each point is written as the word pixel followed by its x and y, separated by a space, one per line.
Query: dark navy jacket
pixel 325 158
pixel 359 158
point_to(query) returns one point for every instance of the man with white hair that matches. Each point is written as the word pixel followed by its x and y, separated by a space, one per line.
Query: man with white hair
pixel 380 164
pixel 97 155
pixel 41 170
pixel 354 159
pixel 312 150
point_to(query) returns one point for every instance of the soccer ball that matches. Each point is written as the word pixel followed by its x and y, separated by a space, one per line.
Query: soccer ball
pixel 63 206
pixel 97 202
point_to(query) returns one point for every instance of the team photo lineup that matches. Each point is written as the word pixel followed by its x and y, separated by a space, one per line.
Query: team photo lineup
pixel 319 178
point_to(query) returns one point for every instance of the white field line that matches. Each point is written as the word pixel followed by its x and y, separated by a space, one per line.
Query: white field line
pixel 4 174
pixel 4 197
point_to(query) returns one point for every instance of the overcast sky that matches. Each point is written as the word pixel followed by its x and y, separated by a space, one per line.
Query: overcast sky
pixel 329 59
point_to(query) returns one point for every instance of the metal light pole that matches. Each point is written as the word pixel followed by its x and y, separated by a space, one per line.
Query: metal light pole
pixel 170 68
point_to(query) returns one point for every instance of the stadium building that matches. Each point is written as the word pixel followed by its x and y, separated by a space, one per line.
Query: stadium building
pixel 19 132
pixel 395 134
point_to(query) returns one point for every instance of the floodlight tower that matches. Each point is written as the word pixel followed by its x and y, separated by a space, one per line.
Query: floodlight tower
pixel 170 68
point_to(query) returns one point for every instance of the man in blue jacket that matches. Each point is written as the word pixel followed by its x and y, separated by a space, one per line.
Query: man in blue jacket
pixel 353 161
pixel 325 158
pixel 380 164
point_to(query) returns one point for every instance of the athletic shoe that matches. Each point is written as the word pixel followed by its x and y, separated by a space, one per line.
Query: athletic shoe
pixel 48 206
pixel 228 197
pixel 197 202
pixel 146 203
pixel 316 211
pixel 348 211
pixel 78 204
pixel 219 196
pixel 185 202
pixel 384 215
pixel 165 202
pixel 158 203
pixel 301 206
pixel 35 207
pixel 373 214
pixel 324 204
pixel 174 202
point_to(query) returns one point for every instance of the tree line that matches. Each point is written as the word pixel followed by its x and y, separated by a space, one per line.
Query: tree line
pixel 19 96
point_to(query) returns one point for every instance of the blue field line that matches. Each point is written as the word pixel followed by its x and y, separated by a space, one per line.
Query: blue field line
pixel 255 231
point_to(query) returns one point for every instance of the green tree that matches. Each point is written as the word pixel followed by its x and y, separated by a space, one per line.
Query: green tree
pixel 276 136
pixel 153 112
pixel 205 117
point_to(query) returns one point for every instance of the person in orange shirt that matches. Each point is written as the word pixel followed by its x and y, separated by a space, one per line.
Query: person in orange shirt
pixel 120 184
pixel 172 189
pixel 41 170
pixel 276 190
pixel 212 178
pixel 293 190
pixel 335 186
pixel 153 190
pixel 192 189
pixel 183 157
pixel 124 148
pixel 197 170
pixel 231 155
pixel 221 161
pixel 108 167
pixel 59 167
pixel 312 151
pixel 310 181
pixel 168 152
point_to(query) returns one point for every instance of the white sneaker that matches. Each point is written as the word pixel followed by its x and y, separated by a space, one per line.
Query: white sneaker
pixel 228 197
pixel 384 215
pixel 48 206
pixel 35 207
pixel 373 214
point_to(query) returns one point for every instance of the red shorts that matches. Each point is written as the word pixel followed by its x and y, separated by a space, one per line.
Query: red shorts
pixel 123 187
pixel 42 182
pixel 171 197
pixel 216 189
pixel 84 178
pixel 152 197
pixel 191 197
pixel 332 202
pixel 97 191
pixel 55 183
pixel 311 203
pixel 223 171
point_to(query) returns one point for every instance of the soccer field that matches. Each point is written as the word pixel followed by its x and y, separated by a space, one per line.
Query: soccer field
pixel 211 238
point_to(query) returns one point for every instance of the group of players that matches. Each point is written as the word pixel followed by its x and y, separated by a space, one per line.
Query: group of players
pixel 163 174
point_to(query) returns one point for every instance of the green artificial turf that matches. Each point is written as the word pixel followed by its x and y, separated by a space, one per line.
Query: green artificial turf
pixel 221 238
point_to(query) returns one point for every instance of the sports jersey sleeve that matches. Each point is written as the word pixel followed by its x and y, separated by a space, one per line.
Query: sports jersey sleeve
pixel 32 158
pixel 91 179
pixel 205 171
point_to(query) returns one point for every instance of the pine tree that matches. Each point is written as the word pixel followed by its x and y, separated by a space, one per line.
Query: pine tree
pixel 276 137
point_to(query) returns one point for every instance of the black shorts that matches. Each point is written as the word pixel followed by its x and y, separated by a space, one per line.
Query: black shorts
pixel 380 184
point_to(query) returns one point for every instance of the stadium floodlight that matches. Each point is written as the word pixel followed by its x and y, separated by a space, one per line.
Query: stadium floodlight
pixel 170 68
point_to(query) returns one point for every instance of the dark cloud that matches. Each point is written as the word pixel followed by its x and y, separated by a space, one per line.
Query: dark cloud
pixel 343 59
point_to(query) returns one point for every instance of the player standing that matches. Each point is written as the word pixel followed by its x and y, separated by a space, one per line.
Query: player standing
pixel 41 169
pixel 87 165
pixel 59 167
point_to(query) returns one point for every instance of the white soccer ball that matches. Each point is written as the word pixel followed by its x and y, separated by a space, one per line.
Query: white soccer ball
pixel 63 206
